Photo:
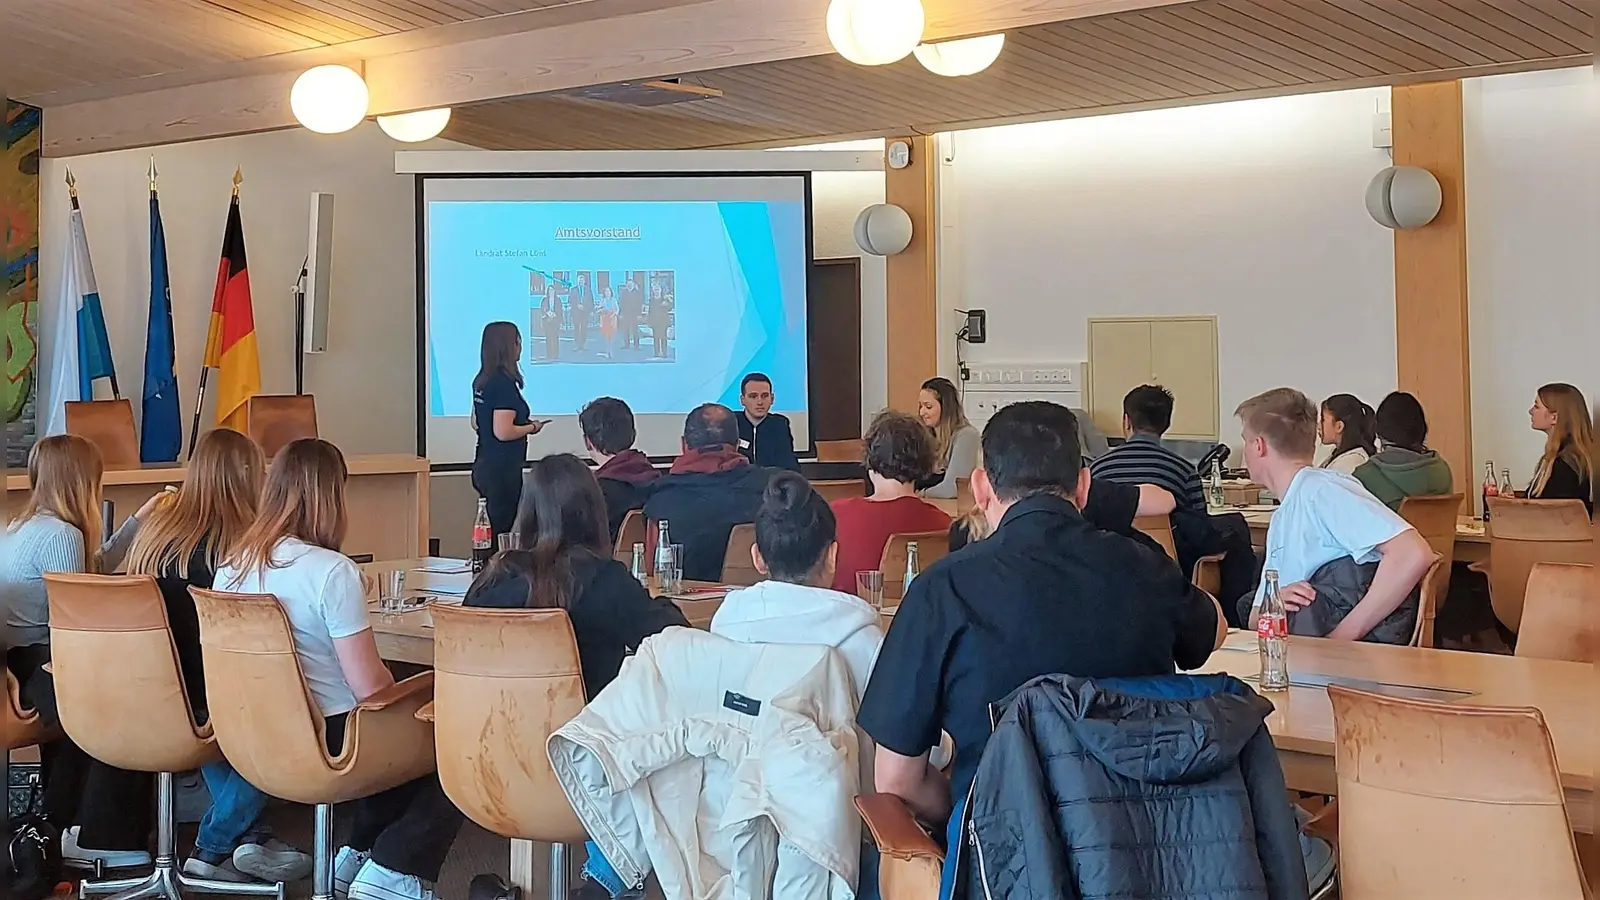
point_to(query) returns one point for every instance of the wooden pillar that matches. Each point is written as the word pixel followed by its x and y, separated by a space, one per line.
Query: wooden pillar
pixel 910 276
pixel 1433 352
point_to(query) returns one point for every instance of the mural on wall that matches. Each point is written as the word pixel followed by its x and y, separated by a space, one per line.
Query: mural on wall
pixel 19 209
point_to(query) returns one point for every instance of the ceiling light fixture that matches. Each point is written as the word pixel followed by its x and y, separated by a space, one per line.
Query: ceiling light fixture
pixel 415 126
pixel 874 32
pixel 329 99
pixel 968 56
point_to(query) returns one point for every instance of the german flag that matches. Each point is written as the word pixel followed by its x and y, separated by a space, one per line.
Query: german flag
pixel 231 341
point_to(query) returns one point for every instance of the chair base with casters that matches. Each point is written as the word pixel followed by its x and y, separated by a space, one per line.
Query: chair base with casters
pixel 168 881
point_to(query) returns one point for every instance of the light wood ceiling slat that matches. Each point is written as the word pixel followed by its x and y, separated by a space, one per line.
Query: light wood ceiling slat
pixel 298 18
pixel 1161 77
pixel 1425 23
pixel 1401 41
pixel 1055 53
pixel 1196 56
pixel 1195 25
pixel 1265 32
pixel 1329 27
pixel 1524 39
pixel 1577 16
pixel 1536 16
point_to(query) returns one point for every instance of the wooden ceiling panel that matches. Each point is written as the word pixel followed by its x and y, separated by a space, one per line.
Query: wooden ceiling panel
pixel 1191 52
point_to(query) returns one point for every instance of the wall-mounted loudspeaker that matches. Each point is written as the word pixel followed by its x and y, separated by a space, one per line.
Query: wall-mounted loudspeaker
pixel 1404 197
pixel 883 229
pixel 319 273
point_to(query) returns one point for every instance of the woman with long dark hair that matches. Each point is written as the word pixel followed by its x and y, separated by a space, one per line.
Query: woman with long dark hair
pixel 1347 426
pixel 500 416
pixel 1403 466
pixel 565 563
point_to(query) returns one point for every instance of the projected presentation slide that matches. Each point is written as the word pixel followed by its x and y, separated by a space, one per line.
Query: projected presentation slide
pixel 663 291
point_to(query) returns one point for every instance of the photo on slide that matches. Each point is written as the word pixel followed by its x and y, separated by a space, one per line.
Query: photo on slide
pixel 601 316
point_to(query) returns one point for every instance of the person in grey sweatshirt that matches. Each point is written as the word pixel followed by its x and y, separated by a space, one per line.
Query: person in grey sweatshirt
pixel 1404 466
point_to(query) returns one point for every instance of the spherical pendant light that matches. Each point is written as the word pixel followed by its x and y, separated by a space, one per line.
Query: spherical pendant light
pixel 874 32
pixel 964 57
pixel 329 99
pixel 415 126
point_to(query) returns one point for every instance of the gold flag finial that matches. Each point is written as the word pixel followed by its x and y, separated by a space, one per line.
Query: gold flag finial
pixel 153 174
pixel 72 184
pixel 238 179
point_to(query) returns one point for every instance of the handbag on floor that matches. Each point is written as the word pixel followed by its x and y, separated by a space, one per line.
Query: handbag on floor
pixel 33 855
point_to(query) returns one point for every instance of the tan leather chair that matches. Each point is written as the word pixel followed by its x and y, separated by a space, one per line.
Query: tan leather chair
pixel 1207 574
pixel 737 567
pixel 24 728
pixel 632 532
pixel 272 732
pixel 1446 800
pixel 1561 615
pixel 505 679
pixel 1525 532
pixel 134 713
pixel 840 488
pixel 1159 529
pixel 840 451
pixel 932 546
pixel 1435 584
pixel 1435 519
pixel 910 863
pixel 279 419
pixel 108 425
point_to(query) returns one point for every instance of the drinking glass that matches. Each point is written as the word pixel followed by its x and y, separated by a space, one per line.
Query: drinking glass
pixel 392 592
pixel 869 587
pixel 511 540
pixel 677 567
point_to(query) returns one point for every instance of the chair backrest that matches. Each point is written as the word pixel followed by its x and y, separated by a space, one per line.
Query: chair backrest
pixel 840 488
pixel 275 740
pixel 1159 529
pixel 737 567
pixel 839 451
pixel 1431 593
pixel 279 419
pixel 632 532
pixel 504 680
pixel 964 498
pixel 108 425
pixel 1561 615
pixel 1435 519
pixel 1525 532
pixel 932 546
pixel 119 686
pixel 1442 800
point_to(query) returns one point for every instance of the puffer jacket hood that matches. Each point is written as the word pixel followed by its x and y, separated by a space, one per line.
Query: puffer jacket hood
pixel 1169 742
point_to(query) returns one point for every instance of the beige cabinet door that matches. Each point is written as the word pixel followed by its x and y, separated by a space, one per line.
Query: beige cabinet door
pixel 1183 355
pixel 1119 361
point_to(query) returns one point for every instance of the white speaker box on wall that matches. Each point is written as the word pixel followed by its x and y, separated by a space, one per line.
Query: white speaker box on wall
pixel 319 273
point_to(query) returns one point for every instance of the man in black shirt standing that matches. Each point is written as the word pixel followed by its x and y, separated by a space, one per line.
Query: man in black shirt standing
pixel 1046 593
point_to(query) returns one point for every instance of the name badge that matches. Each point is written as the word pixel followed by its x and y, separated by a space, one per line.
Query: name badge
pixel 744 444
pixel 739 703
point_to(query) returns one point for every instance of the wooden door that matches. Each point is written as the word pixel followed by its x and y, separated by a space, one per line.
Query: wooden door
pixel 1183 354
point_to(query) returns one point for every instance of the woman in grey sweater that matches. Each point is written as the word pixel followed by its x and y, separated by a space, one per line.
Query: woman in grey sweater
pixel 53 533
pixel 956 443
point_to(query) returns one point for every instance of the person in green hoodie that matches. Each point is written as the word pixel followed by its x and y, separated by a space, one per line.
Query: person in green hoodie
pixel 1404 466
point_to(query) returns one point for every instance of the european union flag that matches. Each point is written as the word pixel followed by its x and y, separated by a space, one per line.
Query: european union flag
pixel 162 436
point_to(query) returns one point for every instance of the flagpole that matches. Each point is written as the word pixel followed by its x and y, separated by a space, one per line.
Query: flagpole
pixel 205 370
pixel 72 194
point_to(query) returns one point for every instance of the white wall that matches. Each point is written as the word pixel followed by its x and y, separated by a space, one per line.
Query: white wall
pixel 1533 226
pixel 1252 211
pixel 366 383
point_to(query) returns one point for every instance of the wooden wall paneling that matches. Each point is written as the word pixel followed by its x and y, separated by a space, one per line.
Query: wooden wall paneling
pixel 911 275
pixel 1430 276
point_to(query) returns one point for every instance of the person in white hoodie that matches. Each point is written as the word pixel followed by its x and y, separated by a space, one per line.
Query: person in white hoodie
pixel 796 548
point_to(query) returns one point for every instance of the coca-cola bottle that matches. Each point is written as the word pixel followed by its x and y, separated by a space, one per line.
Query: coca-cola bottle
pixel 482 537
pixel 1491 488
pixel 1272 636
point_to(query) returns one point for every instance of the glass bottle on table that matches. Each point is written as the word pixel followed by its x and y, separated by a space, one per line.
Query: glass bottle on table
pixel 639 571
pixel 1506 490
pixel 913 568
pixel 664 566
pixel 1491 488
pixel 482 537
pixel 1272 636
pixel 1215 496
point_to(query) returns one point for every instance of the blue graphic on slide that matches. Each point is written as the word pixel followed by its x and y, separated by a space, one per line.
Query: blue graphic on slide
pixel 665 304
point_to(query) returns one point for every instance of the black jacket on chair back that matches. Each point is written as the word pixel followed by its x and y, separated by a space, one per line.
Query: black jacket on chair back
pixel 1158 788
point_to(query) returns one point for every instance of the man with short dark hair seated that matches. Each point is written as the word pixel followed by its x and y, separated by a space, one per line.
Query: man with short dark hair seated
pixel 1046 593
pixel 625 474
pixel 710 489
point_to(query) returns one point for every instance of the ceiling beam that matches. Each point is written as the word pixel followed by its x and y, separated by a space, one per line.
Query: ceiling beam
pixel 530 54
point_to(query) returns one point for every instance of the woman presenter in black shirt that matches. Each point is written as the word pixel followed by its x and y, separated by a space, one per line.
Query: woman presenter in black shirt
pixel 500 416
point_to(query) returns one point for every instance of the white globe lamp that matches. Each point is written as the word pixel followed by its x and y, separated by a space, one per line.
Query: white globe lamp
pixel 415 126
pixel 968 56
pixel 329 99
pixel 875 32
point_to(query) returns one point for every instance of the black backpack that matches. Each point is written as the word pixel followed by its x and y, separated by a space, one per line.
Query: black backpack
pixel 33 855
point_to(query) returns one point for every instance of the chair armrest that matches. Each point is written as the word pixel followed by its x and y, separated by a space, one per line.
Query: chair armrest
pixel 425 714
pixel 894 829
pixel 400 690
pixel 1481 567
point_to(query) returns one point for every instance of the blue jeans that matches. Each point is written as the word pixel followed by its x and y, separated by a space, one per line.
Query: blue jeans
pixel 236 807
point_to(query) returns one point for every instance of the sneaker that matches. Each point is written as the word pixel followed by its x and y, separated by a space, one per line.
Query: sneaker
pixel 225 871
pixel 374 882
pixel 272 860
pixel 345 866
pixel 71 853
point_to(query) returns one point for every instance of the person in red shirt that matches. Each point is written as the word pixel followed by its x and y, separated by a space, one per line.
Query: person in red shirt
pixel 899 451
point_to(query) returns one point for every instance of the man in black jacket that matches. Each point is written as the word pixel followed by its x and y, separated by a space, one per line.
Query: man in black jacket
pixel 625 474
pixel 765 437
pixel 710 489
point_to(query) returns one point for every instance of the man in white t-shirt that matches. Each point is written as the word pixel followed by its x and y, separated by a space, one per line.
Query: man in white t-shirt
pixel 1324 515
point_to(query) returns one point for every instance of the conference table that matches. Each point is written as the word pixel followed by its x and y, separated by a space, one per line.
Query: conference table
pixel 1567 693
pixel 386 497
